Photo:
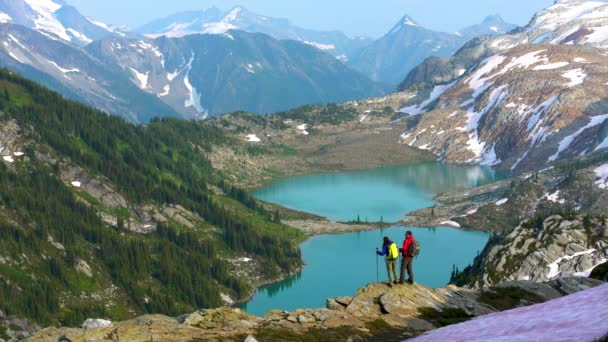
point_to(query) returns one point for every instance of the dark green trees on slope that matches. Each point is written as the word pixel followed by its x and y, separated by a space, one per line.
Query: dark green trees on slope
pixel 171 270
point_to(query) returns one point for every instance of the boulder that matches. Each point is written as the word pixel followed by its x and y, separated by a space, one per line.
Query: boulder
pixel 332 304
pixel 95 323
pixel 344 300
pixel 250 339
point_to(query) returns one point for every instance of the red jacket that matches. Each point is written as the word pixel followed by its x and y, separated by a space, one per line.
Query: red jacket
pixel 406 246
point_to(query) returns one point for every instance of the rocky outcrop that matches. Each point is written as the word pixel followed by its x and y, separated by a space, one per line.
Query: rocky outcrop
pixel 407 309
pixel 558 247
pixel 518 109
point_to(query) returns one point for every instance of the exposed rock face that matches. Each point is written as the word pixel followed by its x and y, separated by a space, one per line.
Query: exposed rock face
pixel 572 22
pixel 400 307
pixel 518 109
pixel 561 247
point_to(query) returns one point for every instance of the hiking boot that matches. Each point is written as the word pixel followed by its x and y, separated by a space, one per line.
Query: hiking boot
pixel 395 282
pixel 401 282
pixel 410 281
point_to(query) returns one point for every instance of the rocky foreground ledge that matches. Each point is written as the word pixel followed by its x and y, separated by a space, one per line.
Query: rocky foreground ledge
pixel 377 311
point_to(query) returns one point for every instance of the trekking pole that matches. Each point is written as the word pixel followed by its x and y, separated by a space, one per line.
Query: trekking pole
pixel 377 277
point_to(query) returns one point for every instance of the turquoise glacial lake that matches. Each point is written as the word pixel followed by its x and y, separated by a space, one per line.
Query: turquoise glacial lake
pixel 337 265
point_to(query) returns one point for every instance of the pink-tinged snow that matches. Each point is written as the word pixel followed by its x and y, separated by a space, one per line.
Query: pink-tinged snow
pixel 563 12
pixel 551 66
pixel 419 109
pixel 602 175
pixel 576 77
pixel 5 18
pixel 252 138
pixel 554 266
pixel 567 141
pixel 578 317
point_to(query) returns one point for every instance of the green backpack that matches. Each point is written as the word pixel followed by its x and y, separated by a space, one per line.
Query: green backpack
pixel 414 248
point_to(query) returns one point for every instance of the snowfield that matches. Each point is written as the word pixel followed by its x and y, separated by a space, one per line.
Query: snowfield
pixel 579 317
pixel 252 138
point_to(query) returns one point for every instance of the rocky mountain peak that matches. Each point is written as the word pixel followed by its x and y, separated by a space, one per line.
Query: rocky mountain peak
pixel 406 22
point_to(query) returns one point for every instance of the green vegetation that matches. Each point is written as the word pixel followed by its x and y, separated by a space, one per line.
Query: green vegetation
pixel 173 270
pixel 506 298
pixel 377 330
pixel 600 272
pixel 444 317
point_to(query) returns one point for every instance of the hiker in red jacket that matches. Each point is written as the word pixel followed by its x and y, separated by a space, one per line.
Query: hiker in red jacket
pixel 406 261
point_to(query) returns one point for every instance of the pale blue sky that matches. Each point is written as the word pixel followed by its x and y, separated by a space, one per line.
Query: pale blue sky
pixel 354 17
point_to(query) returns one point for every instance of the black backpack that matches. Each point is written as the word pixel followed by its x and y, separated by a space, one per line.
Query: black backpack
pixel 414 248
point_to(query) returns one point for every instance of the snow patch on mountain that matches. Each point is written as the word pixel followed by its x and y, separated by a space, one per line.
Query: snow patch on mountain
pixel 576 77
pixel 554 197
pixel 141 78
pixel 302 128
pixel 320 46
pixel 80 36
pixel 602 175
pixel 477 81
pixel 46 20
pixel 64 70
pixel 252 138
pixel 435 93
pixel 5 18
pixel 166 91
pixel 567 141
pixel 551 66
pixel 501 202
pixel 563 12
pixel 474 144
pixel 554 266
pixel 194 97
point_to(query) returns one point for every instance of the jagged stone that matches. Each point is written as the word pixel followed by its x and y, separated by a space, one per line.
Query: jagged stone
pixel 344 300
pixel 332 304
pixel 398 306
pixel 93 323
pixel 306 318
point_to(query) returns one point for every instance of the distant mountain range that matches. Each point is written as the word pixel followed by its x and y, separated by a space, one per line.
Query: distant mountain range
pixel 385 60
pixel 196 64
pixel 407 44
pixel 56 19
pixel 200 75
pixel 519 100
pixel 215 21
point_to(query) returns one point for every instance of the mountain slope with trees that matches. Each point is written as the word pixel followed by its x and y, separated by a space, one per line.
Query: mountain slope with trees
pixel 104 218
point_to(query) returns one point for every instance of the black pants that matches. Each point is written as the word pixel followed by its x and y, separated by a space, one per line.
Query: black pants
pixel 406 263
